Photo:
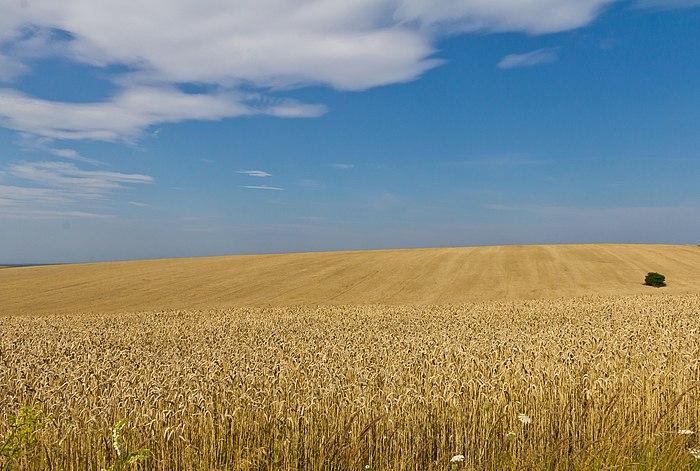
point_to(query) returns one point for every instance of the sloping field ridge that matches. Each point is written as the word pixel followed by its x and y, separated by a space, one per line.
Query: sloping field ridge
pixel 412 276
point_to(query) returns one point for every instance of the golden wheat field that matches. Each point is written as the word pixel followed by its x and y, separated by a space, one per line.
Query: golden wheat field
pixel 539 379
pixel 606 383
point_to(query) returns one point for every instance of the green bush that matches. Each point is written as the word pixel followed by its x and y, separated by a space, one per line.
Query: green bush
pixel 21 435
pixel 657 280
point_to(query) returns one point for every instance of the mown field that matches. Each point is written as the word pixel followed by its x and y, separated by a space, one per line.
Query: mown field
pixel 404 277
pixel 604 382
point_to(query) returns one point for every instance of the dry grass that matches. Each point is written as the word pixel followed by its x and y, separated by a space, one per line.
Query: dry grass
pixel 606 381
pixel 422 276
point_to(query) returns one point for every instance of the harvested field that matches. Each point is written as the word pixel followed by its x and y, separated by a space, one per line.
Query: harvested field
pixel 396 277
pixel 603 383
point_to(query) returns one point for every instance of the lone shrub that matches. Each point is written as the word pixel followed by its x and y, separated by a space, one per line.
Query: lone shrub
pixel 657 280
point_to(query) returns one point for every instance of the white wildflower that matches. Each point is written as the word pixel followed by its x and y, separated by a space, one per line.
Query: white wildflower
pixel 524 419
pixel 366 466
pixel 510 434
pixel 457 459
pixel 695 453
pixel 685 432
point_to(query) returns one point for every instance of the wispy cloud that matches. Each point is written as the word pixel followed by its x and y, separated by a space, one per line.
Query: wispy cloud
pixel 529 59
pixel 69 176
pixel 268 46
pixel 125 116
pixel 341 166
pixel 60 189
pixel 262 187
pixel 254 173
pixel 35 214
pixel 28 142
pixel 11 195
pixel 72 154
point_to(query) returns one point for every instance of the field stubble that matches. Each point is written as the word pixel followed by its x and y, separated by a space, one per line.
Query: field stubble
pixel 396 277
pixel 606 382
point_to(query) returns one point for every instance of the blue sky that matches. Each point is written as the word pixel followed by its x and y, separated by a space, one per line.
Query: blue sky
pixel 179 128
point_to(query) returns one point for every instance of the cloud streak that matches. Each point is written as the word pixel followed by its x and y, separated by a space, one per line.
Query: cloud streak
pixel 69 177
pixel 72 154
pixel 529 59
pixel 59 189
pixel 37 214
pixel 255 173
pixel 262 187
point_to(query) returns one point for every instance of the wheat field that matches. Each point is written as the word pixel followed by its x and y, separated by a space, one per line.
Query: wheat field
pixel 555 377
pixel 605 383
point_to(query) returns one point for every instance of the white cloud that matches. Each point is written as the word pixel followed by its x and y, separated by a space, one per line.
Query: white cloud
pixel 262 187
pixel 254 173
pixel 70 177
pixel 265 46
pixel 126 115
pixel 530 16
pixel 529 59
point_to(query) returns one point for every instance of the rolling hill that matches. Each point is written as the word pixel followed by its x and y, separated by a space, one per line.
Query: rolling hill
pixel 415 276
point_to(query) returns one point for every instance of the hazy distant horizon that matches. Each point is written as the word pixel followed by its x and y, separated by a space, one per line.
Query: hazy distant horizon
pixel 105 260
